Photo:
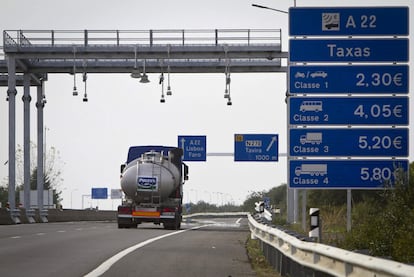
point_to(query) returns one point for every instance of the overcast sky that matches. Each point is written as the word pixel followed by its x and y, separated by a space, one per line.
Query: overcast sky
pixel 93 138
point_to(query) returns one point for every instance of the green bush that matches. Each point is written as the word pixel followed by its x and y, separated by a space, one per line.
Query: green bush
pixel 385 226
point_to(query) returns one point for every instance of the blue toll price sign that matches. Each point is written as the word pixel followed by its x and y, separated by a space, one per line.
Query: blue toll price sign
pixel 348 110
pixel 348 21
pixel 349 79
pixel 256 147
pixel 194 148
pixel 346 174
pixel 348 50
pixel 350 142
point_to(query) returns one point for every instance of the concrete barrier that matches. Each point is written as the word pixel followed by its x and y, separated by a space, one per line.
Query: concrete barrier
pixel 5 217
pixel 81 215
pixel 55 215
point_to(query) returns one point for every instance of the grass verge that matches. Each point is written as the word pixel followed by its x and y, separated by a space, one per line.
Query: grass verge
pixel 258 260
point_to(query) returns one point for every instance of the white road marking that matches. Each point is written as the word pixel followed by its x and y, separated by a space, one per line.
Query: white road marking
pixel 61 231
pixel 106 265
pixel 16 237
pixel 238 220
pixel 40 234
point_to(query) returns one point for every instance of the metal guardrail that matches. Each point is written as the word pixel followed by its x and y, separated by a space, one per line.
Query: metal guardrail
pixel 321 258
pixel 27 38
pixel 229 214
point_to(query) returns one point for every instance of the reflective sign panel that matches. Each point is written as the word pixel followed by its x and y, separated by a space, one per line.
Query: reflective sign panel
pixel 194 148
pixel 256 147
pixel 348 110
pixel 359 79
pixel 345 21
pixel 348 50
pixel 329 174
pixel 349 142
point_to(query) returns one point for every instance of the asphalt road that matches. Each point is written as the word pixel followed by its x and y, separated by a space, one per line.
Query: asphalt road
pixel 213 247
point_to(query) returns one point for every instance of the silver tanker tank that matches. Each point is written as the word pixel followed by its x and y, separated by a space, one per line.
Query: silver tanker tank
pixel 150 177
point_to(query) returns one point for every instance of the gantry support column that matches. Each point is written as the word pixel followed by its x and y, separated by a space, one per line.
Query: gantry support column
pixel 26 142
pixel 11 92
pixel 40 154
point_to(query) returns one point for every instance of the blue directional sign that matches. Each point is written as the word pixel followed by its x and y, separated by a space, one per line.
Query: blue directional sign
pixel 348 21
pixel 194 148
pixel 348 142
pixel 328 174
pixel 348 110
pixel 348 50
pixel 99 193
pixel 349 79
pixel 256 147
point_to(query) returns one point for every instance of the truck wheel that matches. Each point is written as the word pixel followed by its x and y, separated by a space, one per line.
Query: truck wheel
pixel 171 225
pixel 126 223
pixel 167 226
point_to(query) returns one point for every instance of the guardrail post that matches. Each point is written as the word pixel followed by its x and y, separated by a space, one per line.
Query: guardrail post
pixel 348 269
pixel 53 37
pixel 19 37
pixel 150 37
pixel 248 36
pixel 86 37
pixel 216 36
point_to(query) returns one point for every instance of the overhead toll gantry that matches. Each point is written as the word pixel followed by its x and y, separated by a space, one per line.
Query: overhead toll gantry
pixel 30 55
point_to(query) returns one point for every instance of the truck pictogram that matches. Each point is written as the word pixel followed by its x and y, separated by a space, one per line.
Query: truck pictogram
pixel 312 138
pixel 312 169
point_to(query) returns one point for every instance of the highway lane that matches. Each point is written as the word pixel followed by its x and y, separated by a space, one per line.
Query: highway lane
pixel 214 250
pixel 77 248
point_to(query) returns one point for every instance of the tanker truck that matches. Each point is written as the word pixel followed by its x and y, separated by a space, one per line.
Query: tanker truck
pixel 152 181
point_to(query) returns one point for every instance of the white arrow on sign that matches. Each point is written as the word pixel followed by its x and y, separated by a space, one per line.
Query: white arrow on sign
pixel 182 143
pixel 270 144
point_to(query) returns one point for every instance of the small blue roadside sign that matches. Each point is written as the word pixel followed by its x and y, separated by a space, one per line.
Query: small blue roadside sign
pixel 349 79
pixel 348 50
pixel 194 148
pixel 346 174
pixel 99 193
pixel 266 201
pixel 348 21
pixel 256 147
pixel 349 142
pixel 348 110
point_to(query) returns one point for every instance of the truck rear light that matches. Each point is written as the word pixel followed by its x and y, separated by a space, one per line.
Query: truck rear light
pixel 124 210
pixel 168 210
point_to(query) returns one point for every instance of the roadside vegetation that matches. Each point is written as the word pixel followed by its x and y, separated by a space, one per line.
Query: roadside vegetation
pixel 52 175
pixel 382 220
pixel 204 207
